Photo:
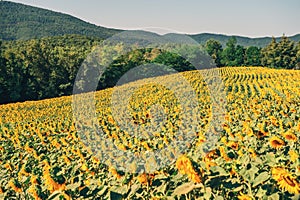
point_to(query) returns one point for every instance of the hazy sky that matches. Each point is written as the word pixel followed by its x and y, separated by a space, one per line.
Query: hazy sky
pixel 233 17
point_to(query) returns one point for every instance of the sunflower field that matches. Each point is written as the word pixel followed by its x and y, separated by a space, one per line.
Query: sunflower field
pixel 255 155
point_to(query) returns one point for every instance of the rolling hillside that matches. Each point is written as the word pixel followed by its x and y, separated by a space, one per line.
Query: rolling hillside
pixel 18 21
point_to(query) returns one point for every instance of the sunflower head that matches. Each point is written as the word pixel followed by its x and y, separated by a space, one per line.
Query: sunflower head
pixel 290 136
pixel 143 179
pixel 285 180
pixel 289 183
pixel 233 145
pixel 276 142
pixel 278 172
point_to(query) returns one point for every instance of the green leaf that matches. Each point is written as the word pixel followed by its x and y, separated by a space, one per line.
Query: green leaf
pixel 251 173
pixel 184 189
pixel 261 193
pixel 208 193
pixel 245 159
pixel 219 198
pixel 262 177
pixel 103 190
pixel 271 159
pixel 162 188
pixel 133 189
pixel 120 189
pixel 73 186
pixel 274 197
pixel 219 170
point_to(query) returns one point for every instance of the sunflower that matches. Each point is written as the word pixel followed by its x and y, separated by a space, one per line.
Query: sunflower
pixel 33 192
pixel 115 172
pixel 290 136
pixel 276 142
pixel 289 183
pixel 223 153
pixel 293 155
pixel 285 180
pixel 211 155
pixel 50 182
pixel 185 166
pixel 84 167
pixel 244 197
pixel 143 179
pixel 15 186
pixel 233 145
pixel 252 152
pixel 278 172
pixel 209 164
pixel 261 134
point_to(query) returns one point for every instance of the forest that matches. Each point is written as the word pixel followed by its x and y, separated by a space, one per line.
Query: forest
pixel 45 68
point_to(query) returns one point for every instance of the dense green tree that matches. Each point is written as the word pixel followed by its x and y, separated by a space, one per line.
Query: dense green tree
pixel 43 68
pixel 298 55
pixel 174 61
pixel 239 55
pixel 287 53
pixel 280 55
pixel 3 83
pixel 228 54
pixel 253 56
pixel 270 53
pixel 214 49
pixel 233 54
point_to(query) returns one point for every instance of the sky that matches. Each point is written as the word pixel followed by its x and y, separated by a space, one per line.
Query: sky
pixel 252 18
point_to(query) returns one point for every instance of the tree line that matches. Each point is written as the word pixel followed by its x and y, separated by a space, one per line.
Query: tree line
pixel 45 68
pixel 277 54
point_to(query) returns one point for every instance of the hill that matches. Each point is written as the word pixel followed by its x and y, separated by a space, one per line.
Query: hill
pixel 18 21
pixel 244 41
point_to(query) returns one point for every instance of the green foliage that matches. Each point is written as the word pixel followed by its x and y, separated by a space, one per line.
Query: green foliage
pixel 280 54
pixel 202 38
pixel 214 49
pixel 161 58
pixel 298 55
pixel 47 67
pixel 233 54
pixel 253 56
pixel 43 68
pixel 2 70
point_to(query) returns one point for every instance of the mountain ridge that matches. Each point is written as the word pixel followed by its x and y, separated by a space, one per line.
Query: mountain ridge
pixel 20 22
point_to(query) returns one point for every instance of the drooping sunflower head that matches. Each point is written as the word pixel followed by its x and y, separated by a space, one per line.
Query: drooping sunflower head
pixel 278 172
pixel 290 136
pixel 286 181
pixel 276 142
pixel 289 183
